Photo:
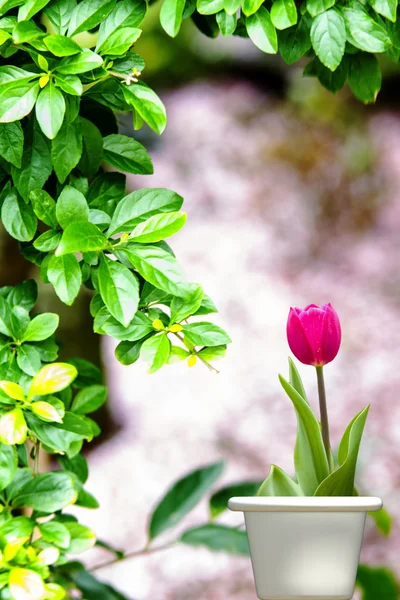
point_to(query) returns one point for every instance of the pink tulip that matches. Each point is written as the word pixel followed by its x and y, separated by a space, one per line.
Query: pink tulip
pixel 314 334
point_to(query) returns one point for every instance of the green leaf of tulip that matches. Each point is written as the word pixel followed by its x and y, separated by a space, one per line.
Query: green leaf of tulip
pixel 278 483
pixel 341 481
pixel 310 459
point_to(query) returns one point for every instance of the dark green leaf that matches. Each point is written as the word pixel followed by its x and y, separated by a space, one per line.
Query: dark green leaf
pixel 48 492
pixel 77 465
pixel 89 585
pixel 126 154
pixel 66 149
pixel 89 13
pixel 128 352
pixel 119 289
pixel 65 275
pixel 217 538
pixel 18 218
pixel 377 582
pixel 92 148
pixel 182 497
pixel 89 399
pixel 219 500
pixel 106 191
pixel 147 104
pixel 138 328
pixel 296 41
pixel 364 76
pixel 11 143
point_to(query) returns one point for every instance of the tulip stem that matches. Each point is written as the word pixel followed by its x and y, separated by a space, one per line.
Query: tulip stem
pixel 324 415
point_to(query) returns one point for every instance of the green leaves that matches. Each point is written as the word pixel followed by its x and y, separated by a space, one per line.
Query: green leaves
pixel 377 582
pixel 41 327
pixel 140 205
pixel 17 100
pixel 71 207
pixel 219 500
pixel 60 45
pixel 203 333
pixel 119 42
pixel 50 110
pixel 278 483
pixel 87 14
pixel 262 31
pixel 365 33
pixel 48 492
pixel 65 274
pixel 8 465
pixel 89 399
pixel 11 143
pixel 341 481
pixel 127 13
pixel 217 538
pixel 18 218
pixel 171 16
pixel 284 14
pixel 36 162
pixel 126 154
pixel 386 8
pixel 79 63
pixel 182 498
pixel 66 148
pixel 310 459
pixel 147 104
pixel 316 7
pixel 52 378
pixel 119 288
pixel 328 37
pixel 156 351
pixel 158 227
pixel 364 76
pixel 82 236
pixel 295 42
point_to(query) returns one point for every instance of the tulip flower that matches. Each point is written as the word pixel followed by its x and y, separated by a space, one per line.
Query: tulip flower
pixel 314 337
pixel 314 334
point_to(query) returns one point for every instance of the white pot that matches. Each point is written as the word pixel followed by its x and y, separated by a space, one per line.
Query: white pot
pixel 305 547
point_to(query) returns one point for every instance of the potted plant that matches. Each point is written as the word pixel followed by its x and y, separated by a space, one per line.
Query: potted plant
pixel 305 535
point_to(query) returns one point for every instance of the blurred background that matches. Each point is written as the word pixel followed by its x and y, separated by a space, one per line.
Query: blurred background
pixel 293 198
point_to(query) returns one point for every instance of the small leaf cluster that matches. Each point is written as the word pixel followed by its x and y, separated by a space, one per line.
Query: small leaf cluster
pixel 341 37
pixel 315 476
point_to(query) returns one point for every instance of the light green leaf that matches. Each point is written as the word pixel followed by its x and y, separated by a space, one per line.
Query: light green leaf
pixel 284 14
pixel 52 378
pixel 65 274
pixel 46 411
pixel 262 31
pixel 158 227
pixel 219 500
pixel 89 399
pixel 48 492
pixel 119 289
pixel 217 538
pixel 328 37
pixel 156 350
pixel 50 110
pixel 8 465
pixel 70 84
pixel 181 308
pixel 386 8
pixel 119 42
pixel 66 149
pixel 29 359
pixel 47 241
pixel 13 390
pixel 316 7
pixel 250 7
pixel 30 8
pixel 341 481
pixel 295 380
pixel 82 236
pixel 128 13
pixel 212 353
pixel 88 14
pixel 79 63
pixel 71 207
pixel 59 14
pixel 232 6
pixel 11 143
pixel 203 333
pixel 182 497
pixel 55 533
pixel 147 104
pixel 278 483
pixel 159 268
pixel 41 327
pixel 82 538
pixel 44 207
pixel 18 218
pixel 25 584
pixel 127 154
pixel 140 205
pixel 310 459
pixel 26 31
pixel 209 7
pixel 17 100
pixel 171 16
pixel 365 33
pixel 227 23
pixel 364 76
pixel 60 45
pixel 383 521
pixel 138 328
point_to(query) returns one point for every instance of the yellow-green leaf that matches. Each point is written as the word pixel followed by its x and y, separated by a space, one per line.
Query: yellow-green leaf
pixel 52 378
pixel 13 428
pixel 13 390
pixel 46 411
pixel 26 585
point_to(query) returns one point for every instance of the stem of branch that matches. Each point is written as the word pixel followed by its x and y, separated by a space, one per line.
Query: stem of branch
pixel 203 360
pixel 36 458
pixel 324 415
pixel 128 555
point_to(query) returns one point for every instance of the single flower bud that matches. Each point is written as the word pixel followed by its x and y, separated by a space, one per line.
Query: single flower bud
pixel 314 334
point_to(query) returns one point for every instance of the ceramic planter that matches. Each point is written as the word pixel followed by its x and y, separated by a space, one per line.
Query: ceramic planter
pixel 305 547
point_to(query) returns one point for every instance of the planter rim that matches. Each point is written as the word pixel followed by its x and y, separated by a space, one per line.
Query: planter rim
pixel 306 504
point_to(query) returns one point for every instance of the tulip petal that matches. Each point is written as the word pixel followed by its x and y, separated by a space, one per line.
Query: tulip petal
pixel 312 321
pixel 331 334
pixel 297 339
